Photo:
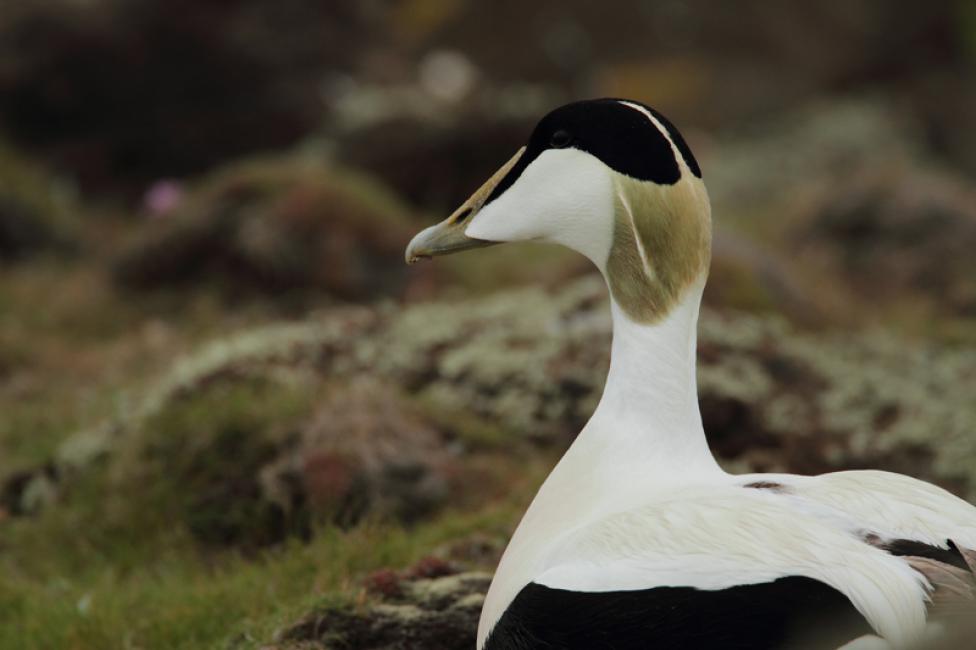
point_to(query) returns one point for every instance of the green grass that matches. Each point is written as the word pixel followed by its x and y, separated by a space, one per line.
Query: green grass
pixel 183 598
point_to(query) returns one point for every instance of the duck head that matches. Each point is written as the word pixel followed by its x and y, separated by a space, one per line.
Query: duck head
pixel 612 179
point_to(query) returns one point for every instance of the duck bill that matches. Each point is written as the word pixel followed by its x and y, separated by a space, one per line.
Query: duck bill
pixel 448 236
pixel 442 239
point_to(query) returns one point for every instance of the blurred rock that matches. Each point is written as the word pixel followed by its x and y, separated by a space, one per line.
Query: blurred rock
pixel 27 493
pixel 747 276
pixel 274 227
pixel 198 463
pixel 22 231
pixel 365 451
pixel 897 235
pixel 231 435
pixel 832 214
pixel 436 163
pixel 751 173
pixel 247 461
pixel 440 612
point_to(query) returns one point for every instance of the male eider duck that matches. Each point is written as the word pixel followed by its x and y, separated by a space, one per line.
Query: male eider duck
pixel 638 539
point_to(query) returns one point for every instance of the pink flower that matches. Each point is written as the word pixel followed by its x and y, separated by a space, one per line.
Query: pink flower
pixel 163 197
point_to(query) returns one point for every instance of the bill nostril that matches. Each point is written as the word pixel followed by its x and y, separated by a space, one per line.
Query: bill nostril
pixel 462 216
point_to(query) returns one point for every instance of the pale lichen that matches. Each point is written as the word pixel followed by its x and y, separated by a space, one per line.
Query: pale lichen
pixel 531 364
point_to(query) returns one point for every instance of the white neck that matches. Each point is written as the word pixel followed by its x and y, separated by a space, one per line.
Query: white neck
pixel 648 416
pixel 646 434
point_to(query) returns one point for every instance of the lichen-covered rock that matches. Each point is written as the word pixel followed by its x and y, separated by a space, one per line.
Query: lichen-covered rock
pixel 198 462
pixel 527 360
pixel 522 365
pixel 277 227
pixel 28 492
pixel 250 460
pixel 364 451
pixel 814 404
pixel 440 612
pixel 819 142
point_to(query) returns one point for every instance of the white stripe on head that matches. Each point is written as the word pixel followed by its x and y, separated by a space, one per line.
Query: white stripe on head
pixel 660 127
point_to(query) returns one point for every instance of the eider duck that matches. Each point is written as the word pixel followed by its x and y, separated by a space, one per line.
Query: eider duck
pixel 638 539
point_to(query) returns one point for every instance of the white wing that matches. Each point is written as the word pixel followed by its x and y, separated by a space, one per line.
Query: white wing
pixel 830 528
pixel 892 506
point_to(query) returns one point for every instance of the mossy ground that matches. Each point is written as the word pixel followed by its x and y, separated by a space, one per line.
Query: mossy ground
pixel 116 592
pixel 117 561
pixel 124 567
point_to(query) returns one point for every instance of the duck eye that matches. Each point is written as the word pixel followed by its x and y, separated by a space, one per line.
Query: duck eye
pixel 560 139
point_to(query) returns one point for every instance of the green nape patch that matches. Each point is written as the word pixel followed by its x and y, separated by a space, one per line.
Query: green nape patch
pixel 185 599
pixel 661 245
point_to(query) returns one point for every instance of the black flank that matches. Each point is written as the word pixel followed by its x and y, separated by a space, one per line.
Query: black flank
pixel 623 138
pixel 793 612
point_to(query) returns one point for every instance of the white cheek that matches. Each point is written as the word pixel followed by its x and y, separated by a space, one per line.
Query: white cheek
pixel 564 196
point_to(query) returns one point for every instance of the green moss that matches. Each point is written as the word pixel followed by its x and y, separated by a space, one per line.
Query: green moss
pixel 199 460
pixel 46 204
pixel 181 600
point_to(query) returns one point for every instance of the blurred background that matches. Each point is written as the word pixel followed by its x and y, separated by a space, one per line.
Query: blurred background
pixel 230 417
